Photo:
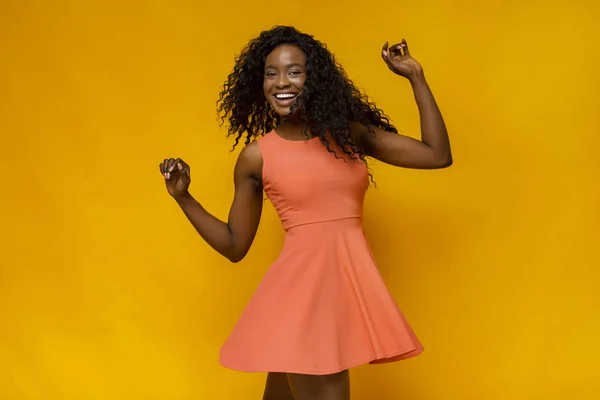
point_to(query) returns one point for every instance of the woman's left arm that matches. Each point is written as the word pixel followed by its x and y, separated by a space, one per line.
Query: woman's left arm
pixel 433 150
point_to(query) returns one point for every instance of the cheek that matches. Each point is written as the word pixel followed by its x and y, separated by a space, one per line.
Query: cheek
pixel 266 90
pixel 300 83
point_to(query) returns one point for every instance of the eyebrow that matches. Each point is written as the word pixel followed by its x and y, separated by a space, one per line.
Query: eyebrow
pixel 287 66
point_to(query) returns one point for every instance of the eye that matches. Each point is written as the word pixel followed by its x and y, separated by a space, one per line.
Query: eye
pixel 295 73
pixel 270 74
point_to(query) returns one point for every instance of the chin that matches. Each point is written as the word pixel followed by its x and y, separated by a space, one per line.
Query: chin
pixel 286 112
pixel 283 112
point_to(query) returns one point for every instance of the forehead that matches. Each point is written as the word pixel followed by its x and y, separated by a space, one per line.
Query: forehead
pixel 285 54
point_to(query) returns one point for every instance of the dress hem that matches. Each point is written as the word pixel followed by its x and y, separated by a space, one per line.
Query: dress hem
pixel 384 359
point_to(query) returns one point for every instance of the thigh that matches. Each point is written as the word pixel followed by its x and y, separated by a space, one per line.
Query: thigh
pixel 277 387
pixel 321 387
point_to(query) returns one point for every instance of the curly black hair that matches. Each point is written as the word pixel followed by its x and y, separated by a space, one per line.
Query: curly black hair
pixel 329 101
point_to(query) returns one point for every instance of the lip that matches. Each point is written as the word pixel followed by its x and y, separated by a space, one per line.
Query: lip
pixel 285 102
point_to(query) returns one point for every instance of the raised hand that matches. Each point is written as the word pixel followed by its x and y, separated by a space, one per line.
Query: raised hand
pixel 399 60
pixel 177 176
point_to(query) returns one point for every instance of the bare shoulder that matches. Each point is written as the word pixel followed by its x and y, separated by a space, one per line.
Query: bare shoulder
pixel 250 162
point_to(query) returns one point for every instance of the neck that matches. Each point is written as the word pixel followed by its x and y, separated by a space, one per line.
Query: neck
pixel 293 126
pixel 292 123
pixel 293 120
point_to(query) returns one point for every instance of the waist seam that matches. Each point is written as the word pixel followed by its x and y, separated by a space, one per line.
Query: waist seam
pixel 322 221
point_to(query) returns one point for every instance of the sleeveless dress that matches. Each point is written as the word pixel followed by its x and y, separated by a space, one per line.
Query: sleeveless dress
pixel 322 307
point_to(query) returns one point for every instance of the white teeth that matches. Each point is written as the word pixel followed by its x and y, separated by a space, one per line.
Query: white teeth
pixel 285 95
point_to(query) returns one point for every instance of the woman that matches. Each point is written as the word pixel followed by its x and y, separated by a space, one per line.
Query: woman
pixel 322 307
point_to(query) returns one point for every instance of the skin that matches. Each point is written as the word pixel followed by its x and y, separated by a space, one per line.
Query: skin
pixel 285 72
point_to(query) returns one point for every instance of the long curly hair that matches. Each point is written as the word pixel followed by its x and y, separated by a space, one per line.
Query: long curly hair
pixel 329 101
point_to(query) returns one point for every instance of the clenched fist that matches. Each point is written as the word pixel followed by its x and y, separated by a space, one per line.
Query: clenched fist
pixel 177 176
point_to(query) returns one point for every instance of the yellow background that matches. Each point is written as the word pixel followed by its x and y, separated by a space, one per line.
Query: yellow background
pixel 106 292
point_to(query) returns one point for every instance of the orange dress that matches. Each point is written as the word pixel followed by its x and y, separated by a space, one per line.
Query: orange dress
pixel 322 307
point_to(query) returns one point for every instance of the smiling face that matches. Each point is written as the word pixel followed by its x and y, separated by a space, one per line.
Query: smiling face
pixel 285 73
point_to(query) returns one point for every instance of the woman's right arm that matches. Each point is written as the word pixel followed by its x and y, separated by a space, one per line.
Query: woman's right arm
pixel 233 238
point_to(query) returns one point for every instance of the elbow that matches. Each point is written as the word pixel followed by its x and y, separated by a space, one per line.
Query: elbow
pixel 236 256
pixel 437 164
pixel 235 259
pixel 234 252
pixel 443 161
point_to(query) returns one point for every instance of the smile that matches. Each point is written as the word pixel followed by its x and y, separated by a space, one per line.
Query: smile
pixel 285 100
pixel 285 96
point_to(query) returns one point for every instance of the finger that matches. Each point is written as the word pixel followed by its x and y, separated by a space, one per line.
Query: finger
pixel 178 166
pixel 184 165
pixel 405 47
pixel 386 55
pixel 384 51
pixel 173 164
pixel 183 170
pixel 164 167
pixel 396 50
pixel 385 47
pixel 169 168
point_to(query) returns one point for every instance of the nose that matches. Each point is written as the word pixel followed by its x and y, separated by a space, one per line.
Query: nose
pixel 282 81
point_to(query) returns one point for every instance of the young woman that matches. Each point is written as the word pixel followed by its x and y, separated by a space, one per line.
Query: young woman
pixel 322 307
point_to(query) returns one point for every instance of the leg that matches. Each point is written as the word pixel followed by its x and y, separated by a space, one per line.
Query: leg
pixel 321 387
pixel 277 387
